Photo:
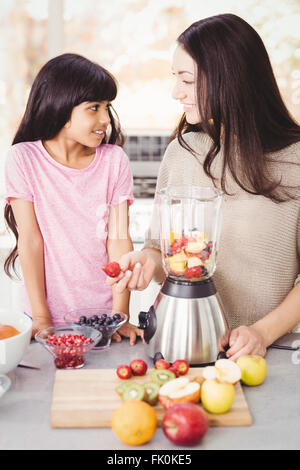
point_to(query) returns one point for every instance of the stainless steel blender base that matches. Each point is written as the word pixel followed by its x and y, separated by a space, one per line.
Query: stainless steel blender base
pixel 187 328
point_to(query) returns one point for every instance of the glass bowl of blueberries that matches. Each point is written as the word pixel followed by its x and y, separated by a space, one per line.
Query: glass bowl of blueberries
pixel 104 320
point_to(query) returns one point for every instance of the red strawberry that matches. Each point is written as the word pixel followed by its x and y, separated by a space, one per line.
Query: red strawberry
pixel 112 269
pixel 176 247
pixel 190 273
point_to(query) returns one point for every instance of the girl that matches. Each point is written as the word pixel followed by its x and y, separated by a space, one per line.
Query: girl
pixel 236 134
pixel 68 190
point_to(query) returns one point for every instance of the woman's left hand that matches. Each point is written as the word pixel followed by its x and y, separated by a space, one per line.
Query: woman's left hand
pixel 129 331
pixel 245 340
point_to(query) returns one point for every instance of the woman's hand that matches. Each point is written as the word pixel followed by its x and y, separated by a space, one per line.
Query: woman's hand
pixel 138 269
pixel 128 331
pixel 245 340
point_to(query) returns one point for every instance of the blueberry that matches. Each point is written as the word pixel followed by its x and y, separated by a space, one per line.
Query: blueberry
pixel 103 316
pixel 82 319
pixel 96 325
pixel 108 321
pixel 94 318
pixel 117 316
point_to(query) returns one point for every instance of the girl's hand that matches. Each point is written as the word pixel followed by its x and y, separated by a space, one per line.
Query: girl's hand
pixel 128 331
pixel 137 271
pixel 39 323
pixel 245 340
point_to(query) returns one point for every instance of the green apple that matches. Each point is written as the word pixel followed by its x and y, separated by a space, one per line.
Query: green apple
pixel 253 369
pixel 217 397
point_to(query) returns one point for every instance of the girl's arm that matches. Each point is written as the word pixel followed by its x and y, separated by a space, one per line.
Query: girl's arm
pixel 119 243
pixel 31 254
pixel 257 337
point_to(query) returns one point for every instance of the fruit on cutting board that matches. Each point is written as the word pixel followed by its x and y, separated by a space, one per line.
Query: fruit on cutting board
pixel 112 269
pixel 177 391
pixel 134 391
pixel 7 331
pixel 253 369
pixel 224 370
pixel 162 364
pixel 120 389
pixel 138 367
pixel 124 371
pixel 152 390
pixel 181 366
pixel 185 424
pixel 217 397
pixel 161 376
pixel 134 422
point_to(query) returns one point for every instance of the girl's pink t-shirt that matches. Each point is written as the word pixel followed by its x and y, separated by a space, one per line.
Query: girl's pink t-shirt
pixel 72 210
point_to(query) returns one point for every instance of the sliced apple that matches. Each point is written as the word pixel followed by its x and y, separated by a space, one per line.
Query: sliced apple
pixel 210 372
pixel 178 391
pixel 227 371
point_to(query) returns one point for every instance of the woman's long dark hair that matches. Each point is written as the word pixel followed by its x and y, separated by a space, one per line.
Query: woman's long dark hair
pixel 239 103
pixel 63 83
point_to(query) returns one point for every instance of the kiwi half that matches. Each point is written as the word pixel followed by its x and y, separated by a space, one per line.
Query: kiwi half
pixel 134 391
pixel 121 388
pixel 161 376
pixel 151 389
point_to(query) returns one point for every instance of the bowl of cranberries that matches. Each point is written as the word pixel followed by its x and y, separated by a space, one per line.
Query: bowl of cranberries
pixel 105 321
pixel 68 345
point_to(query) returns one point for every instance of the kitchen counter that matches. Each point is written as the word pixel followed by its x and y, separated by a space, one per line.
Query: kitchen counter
pixel 25 408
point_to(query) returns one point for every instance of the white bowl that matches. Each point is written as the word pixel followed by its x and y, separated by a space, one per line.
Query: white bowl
pixel 13 349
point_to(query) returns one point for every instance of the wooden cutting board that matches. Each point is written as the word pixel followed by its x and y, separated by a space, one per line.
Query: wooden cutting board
pixel 86 398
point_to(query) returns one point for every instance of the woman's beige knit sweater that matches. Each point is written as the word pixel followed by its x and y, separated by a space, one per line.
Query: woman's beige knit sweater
pixel 259 250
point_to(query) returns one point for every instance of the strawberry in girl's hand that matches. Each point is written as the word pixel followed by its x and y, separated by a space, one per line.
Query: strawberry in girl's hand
pixel 112 269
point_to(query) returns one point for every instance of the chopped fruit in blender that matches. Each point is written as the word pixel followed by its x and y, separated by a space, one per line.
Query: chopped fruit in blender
pixel 124 372
pixel 191 273
pixel 195 247
pixel 152 390
pixel 112 269
pixel 134 391
pixel 194 261
pixel 178 262
pixel 161 376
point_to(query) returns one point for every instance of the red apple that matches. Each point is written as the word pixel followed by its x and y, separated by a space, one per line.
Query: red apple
pixel 181 366
pixel 162 364
pixel 123 372
pixel 174 370
pixel 138 367
pixel 185 424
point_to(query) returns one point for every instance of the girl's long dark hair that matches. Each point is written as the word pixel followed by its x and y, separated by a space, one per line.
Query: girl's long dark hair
pixel 239 103
pixel 63 83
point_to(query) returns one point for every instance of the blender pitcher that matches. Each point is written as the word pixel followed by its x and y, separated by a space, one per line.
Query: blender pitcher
pixel 187 320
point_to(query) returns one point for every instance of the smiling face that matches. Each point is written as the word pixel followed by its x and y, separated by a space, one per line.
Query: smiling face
pixel 184 69
pixel 88 123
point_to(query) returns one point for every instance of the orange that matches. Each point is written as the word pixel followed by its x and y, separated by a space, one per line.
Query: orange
pixel 134 422
pixel 7 331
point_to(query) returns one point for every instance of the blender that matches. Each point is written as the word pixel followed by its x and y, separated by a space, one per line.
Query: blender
pixel 187 320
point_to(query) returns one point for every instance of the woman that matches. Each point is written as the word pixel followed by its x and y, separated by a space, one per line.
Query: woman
pixel 237 135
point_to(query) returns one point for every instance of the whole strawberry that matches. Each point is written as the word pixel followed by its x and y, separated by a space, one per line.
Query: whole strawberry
pixel 112 269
